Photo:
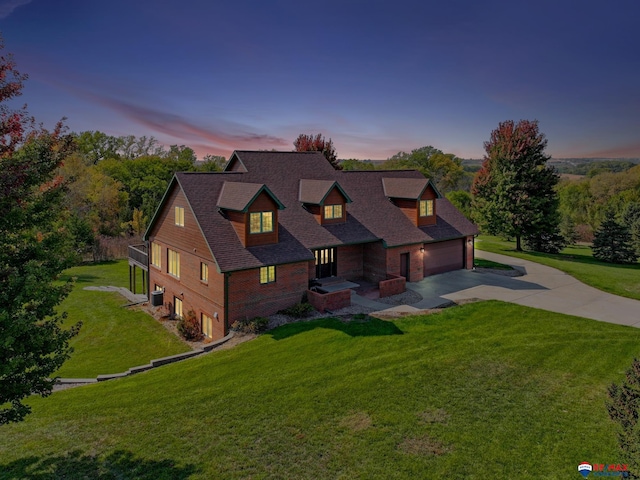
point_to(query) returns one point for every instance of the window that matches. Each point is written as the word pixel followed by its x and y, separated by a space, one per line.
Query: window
pixel 180 216
pixel 158 288
pixel 156 255
pixel 332 211
pixel 204 272
pixel 174 263
pixel 260 222
pixel 268 274
pixel 207 325
pixel 177 307
pixel 426 208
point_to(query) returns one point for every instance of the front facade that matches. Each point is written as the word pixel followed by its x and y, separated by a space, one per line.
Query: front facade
pixel 248 241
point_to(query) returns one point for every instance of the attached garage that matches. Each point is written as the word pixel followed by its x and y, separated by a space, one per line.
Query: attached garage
pixel 443 257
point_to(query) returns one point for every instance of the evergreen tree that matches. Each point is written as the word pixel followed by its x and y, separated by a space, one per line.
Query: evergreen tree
pixel 612 242
pixel 631 218
pixel 514 191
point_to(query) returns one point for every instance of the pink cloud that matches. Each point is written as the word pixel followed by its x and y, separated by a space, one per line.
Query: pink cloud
pixel 182 129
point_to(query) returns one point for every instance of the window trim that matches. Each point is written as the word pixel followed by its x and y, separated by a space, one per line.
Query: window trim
pixel 177 301
pixel 173 264
pixel 156 255
pixel 428 206
pixel 204 272
pixel 178 216
pixel 202 323
pixel 269 272
pixel 262 215
pixel 333 208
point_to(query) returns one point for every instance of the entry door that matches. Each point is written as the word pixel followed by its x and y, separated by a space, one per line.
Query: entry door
pixel 326 262
pixel 404 265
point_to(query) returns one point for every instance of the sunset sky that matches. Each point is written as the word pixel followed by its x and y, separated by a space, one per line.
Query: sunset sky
pixel 376 76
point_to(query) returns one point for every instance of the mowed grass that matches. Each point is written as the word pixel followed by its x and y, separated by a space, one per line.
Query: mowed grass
pixel 577 261
pixel 112 338
pixel 484 390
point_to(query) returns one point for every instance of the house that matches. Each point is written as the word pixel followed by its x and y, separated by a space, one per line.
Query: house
pixel 250 240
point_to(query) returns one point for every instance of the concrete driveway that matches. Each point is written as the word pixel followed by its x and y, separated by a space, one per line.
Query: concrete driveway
pixel 540 287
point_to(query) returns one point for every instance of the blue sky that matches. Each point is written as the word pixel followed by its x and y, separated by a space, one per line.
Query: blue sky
pixel 377 77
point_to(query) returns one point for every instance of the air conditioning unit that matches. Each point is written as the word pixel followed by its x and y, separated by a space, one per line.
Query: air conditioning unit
pixel 157 298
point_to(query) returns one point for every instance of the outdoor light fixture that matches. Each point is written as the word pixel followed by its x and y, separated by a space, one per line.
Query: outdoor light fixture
pixel 422 249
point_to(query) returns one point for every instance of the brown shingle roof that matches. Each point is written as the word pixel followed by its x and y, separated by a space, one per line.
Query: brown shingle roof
pixel 410 188
pixel 239 195
pixel 315 191
pixel 370 216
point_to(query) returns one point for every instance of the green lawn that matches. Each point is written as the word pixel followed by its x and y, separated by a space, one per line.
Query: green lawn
pixel 484 390
pixel 112 338
pixel 623 280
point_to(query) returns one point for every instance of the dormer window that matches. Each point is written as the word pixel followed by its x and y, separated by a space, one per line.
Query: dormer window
pixel 426 208
pixel 332 212
pixel 325 200
pixel 260 222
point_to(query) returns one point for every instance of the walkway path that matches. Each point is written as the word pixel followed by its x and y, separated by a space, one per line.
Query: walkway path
pixel 540 287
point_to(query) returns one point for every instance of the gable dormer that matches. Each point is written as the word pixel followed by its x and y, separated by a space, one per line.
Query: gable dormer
pixel 325 199
pixel 415 197
pixel 252 210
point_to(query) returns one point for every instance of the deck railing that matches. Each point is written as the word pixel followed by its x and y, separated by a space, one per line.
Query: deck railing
pixel 139 255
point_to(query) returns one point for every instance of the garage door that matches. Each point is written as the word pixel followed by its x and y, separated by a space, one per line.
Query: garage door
pixel 443 256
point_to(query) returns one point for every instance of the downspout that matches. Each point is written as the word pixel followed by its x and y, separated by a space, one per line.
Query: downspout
pixel 226 303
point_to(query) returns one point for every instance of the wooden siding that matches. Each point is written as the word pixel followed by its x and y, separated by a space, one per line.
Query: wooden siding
pixel 411 208
pixel 334 197
pixel 240 222
pixel 263 203
pixel 428 194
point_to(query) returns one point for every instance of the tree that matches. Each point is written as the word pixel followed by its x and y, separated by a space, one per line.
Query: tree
pixel 461 200
pixel 631 218
pixel 353 164
pixel 612 242
pixel 34 250
pixel 444 169
pixel 310 143
pixel 514 192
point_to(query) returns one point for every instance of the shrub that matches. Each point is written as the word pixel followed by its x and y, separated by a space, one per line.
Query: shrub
pixel 255 325
pixel 299 310
pixel 189 327
pixel 623 407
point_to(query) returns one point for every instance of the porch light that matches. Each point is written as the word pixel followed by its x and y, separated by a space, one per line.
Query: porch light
pixel 421 249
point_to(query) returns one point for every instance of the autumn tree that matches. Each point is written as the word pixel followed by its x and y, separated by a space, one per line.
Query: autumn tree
pixel 34 250
pixel 317 143
pixel 514 192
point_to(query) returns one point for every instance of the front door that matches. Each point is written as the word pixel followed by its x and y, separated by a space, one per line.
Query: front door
pixel 326 262
pixel 404 265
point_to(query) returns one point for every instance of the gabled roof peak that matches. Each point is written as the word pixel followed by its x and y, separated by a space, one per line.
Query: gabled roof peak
pixel 314 192
pixel 409 188
pixel 238 196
